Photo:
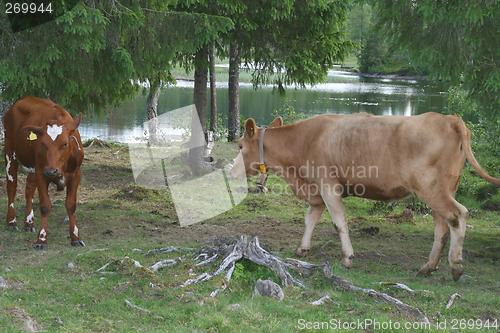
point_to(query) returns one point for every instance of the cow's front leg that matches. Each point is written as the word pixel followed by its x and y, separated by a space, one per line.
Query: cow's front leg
pixel 313 216
pixel 72 183
pixel 45 209
pixel 333 201
pixel 29 221
pixel 11 166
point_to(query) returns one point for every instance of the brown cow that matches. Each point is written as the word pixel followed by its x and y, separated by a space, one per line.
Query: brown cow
pixel 43 138
pixel 328 157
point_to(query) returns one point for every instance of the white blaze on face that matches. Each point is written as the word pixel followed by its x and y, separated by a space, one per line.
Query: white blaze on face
pixel 75 231
pixel 29 218
pixel 53 131
pixel 7 168
pixel 43 235
pixel 12 221
pixel 11 205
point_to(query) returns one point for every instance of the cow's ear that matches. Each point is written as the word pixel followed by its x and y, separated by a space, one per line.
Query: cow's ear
pixel 250 127
pixel 77 120
pixel 32 132
pixel 277 122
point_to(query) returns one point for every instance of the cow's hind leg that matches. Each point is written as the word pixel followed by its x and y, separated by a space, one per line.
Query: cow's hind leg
pixel 11 166
pixel 454 215
pixel 441 233
pixel 313 216
pixel 333 201
pixel 29 221
pixel 71 198
pixel 457 222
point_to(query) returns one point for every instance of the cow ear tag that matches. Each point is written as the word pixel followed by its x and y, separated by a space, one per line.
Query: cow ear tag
pixel 32 136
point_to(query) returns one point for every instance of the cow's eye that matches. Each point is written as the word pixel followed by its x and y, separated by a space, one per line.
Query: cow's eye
pixel 241 146
pixel 64 145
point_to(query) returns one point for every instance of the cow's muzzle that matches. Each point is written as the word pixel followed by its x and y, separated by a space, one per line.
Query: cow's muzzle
pixel 54 176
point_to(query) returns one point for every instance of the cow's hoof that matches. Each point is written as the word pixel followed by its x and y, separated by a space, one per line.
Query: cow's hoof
pixel 41 246
pixel 78 242
pixel 347 262
pixel 12 226
pixel 457 272
pixel 425 271
pixel 300 252
pixel 29 227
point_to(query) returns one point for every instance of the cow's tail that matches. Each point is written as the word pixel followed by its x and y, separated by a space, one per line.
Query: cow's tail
pixel 465 134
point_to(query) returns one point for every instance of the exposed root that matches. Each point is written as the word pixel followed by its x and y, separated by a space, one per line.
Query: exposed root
pixel 408 310
pixel 162 264
pixel 165 250
pixel 248 248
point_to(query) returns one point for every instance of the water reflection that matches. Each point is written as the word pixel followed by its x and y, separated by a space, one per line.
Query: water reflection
pixel 343 93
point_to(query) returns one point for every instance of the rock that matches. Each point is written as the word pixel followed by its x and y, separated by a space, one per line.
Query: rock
pixel 3 283
pixel 71 265
pixel 234 307
pixel 58 321
pixel 268 288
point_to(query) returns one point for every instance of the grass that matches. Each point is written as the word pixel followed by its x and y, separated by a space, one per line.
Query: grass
pixel 119 219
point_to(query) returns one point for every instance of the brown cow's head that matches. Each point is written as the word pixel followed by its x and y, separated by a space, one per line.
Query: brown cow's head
pixel 247 161
pixel 53 147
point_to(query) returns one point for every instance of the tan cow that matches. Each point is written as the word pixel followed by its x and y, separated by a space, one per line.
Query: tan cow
pixel 328 157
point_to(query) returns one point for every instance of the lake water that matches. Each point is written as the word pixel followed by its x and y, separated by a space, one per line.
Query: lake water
pixel 343 93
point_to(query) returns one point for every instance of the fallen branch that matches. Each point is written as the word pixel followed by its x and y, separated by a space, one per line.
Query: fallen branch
pixel 142 310
pixel 135 263
pixel 452 299
pixel 93 250
pixel 409 310
pixel 162 250
pixel 322 300
pixel 397 285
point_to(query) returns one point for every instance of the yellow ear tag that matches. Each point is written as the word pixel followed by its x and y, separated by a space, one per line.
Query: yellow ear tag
pixel 32 136
pixel 262 168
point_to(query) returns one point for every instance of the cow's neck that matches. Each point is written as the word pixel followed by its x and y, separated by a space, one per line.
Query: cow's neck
pixel 281 146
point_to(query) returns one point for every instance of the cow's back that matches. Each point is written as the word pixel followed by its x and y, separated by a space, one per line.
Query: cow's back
pixel 387 154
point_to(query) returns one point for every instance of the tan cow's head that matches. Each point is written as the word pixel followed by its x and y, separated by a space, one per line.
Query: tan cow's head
pixel 247 161
pixel 52 146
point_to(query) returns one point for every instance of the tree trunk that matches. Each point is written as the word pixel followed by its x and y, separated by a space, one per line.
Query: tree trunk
pixel 200 101
pixel 213 92
pixel 152 109
pixel 233 121
pixel 200 84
